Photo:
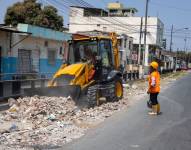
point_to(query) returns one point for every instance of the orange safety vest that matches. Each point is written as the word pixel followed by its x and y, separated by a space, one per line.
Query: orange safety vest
pixel 156 87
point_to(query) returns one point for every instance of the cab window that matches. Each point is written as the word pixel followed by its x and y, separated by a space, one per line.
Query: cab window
pixel 106 53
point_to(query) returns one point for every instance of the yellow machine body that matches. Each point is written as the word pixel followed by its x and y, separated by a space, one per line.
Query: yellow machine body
pixel 80 72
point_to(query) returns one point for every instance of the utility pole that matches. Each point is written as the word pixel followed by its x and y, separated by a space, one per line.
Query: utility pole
pixel 185 51
pixel 145 36
pixel 171 38
pixel 185 40
pixel 140 39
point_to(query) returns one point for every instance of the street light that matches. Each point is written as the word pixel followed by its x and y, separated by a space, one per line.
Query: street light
pixel 174 31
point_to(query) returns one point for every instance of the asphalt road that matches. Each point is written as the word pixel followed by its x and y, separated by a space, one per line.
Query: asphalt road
pixel 134 129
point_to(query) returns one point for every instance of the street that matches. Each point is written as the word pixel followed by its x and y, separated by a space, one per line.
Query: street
pixel 134 129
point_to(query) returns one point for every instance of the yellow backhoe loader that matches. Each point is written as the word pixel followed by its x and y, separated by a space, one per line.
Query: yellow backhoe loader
pixel 91 71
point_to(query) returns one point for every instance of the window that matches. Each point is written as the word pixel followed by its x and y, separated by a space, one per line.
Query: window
pixel 51 57
pixel 130 45
pixel 71 54
pixel 106 53
pixel 61 50
pixel 46 43
pixel 84 50
pixel 125 43
pixel 94 12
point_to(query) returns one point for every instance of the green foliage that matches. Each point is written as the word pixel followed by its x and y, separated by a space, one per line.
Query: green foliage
pixel 31 12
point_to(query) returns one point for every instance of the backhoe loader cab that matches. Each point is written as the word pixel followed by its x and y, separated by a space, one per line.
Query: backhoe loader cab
pixel 94 51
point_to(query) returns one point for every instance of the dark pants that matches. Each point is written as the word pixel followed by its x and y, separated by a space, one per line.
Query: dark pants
pixel 153 98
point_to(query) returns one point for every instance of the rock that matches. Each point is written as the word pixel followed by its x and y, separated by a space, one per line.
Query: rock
pixel 51 117
pixel 134 86
pixel 2 131
pixel 14 108
pixel 13 128
pixel 126 86
pixel 12 101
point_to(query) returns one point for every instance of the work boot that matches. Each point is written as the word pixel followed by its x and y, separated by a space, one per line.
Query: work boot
pixel 158 109
pixel 154 110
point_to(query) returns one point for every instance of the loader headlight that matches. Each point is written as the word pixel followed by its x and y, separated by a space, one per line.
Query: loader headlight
pixel 93 39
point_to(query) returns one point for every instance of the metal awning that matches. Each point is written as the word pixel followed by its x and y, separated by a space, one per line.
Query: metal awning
pixel 12 30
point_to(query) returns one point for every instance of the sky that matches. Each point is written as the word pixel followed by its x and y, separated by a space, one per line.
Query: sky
pixel 176 12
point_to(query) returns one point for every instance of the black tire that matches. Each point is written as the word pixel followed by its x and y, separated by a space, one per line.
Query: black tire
pixel 118 84
pixel 92 96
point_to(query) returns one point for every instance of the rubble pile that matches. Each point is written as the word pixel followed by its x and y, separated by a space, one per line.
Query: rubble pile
pixel 39 120
pixel 50 120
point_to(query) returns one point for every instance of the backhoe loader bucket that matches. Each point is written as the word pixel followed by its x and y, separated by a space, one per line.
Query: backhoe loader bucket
pixel 64 91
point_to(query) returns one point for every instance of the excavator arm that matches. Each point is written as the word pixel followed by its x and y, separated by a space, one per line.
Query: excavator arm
pixel 115 49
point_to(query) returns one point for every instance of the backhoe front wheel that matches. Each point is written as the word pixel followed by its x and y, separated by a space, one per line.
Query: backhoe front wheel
pixel 118 89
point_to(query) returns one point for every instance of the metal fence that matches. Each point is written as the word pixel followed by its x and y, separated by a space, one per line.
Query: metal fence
pixel 12 84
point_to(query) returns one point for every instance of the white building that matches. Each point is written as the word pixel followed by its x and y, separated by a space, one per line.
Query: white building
pixel 88 19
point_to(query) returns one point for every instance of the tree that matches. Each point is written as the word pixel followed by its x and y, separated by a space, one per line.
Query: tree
pixel 31 12
pixel 49 18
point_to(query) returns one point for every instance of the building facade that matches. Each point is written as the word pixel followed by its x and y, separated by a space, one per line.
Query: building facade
pixel 29 55
pixel 31 49
pixel 83 19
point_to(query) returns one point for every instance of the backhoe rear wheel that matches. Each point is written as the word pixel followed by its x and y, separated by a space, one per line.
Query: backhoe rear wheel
pixel 118 89
pixel 93 96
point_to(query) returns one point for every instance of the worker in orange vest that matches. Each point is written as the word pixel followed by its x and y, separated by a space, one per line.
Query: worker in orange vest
pixel 154 88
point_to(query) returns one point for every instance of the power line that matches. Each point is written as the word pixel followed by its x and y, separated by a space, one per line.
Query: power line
pixel 170 6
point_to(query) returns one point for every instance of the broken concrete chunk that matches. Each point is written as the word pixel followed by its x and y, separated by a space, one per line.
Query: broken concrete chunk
pixel 12 101
pixel 134 86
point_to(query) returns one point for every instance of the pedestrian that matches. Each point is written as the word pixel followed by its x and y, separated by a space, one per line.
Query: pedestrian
pixel 154 88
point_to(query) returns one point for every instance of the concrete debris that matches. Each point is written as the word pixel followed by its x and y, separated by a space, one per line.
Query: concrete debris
pixel 12 101
pixel 134 86
pixel 50 120
pixel 13 128
pixel 126 86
